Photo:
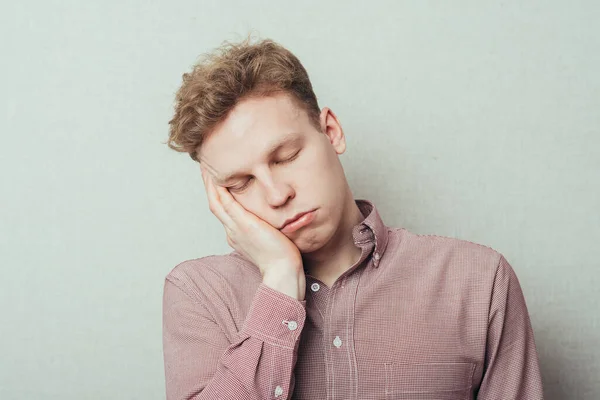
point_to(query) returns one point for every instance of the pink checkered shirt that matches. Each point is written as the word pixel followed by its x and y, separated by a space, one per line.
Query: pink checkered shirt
pixel 417 317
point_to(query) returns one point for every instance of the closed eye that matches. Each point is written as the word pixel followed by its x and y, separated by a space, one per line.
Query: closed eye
pixel 289 159
pixel 238 189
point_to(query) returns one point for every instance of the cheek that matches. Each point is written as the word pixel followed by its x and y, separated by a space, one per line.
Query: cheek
pixel 320 167
pixel 252 202
pixel 247 200
pixel 314 163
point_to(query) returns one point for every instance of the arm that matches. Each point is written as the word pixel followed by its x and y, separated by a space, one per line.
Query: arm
pixel 511 362
pixel 201 363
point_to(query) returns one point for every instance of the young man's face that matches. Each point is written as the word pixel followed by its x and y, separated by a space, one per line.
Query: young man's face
pixel 276 183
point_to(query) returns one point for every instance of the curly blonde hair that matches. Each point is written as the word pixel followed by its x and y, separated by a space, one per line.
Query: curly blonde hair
pixel 232 72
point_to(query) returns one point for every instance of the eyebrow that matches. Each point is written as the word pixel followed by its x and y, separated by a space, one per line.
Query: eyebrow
pixel 290 138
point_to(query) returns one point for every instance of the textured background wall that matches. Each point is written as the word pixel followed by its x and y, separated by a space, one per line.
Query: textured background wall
pixel 478 120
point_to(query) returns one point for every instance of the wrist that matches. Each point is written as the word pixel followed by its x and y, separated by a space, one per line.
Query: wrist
pixel 288 282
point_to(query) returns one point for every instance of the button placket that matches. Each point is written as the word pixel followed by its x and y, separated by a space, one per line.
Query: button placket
pixel 338 336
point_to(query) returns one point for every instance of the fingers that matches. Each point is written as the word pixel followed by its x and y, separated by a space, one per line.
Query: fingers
pixel 214 200
pixel 222 198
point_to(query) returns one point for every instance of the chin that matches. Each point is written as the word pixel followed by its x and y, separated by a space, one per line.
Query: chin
pixel 302 242
pixel 307 249
pixel 311 240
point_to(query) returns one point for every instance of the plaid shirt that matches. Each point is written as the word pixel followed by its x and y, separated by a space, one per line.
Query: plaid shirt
pixel 416 317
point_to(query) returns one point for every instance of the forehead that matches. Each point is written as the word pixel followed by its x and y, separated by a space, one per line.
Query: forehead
pixel 250 130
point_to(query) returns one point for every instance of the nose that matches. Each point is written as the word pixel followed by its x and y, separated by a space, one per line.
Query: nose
pixel 278 193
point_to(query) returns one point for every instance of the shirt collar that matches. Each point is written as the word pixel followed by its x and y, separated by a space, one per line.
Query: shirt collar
pixel 371 228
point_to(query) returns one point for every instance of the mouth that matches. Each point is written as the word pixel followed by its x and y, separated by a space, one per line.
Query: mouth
pixel 298 221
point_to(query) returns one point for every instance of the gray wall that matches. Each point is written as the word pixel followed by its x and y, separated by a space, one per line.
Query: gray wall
pixel 477 120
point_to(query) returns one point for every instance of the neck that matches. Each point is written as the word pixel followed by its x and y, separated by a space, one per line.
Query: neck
pixel 337 256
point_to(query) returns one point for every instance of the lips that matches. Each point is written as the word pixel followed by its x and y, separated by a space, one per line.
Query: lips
pixel 294 218
pixel 303 220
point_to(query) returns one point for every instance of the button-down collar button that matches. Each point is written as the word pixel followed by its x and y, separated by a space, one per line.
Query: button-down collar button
pixel 337 342
pixel 292 325
pixel 315 287
pixel 278 391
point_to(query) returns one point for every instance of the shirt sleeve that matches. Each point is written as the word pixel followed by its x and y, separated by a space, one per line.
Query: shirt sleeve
pixel 202 363
pixel 511 361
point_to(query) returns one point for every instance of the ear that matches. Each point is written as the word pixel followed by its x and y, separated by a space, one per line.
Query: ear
pixel 332 128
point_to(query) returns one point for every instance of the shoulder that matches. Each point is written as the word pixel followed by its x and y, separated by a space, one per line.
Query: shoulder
pixel 449 253
pixel 214 275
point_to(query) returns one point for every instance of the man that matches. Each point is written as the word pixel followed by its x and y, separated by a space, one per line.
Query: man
pixel 320 299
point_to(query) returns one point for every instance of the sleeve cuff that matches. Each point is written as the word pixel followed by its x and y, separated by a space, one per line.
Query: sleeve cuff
pixel 275 317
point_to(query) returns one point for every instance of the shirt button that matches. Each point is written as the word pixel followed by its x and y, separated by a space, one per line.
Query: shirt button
pixel 315 287
pixel 337 342
pixel 278 391
pixel 292 325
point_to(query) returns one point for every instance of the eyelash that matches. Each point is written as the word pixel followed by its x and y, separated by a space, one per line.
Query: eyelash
pixel 245 185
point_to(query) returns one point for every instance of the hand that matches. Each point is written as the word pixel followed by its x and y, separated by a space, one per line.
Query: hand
pixel 276 256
